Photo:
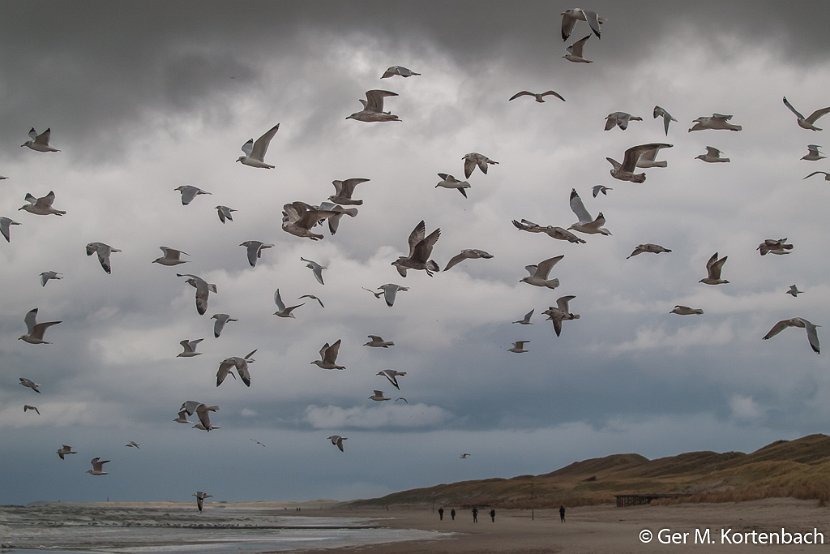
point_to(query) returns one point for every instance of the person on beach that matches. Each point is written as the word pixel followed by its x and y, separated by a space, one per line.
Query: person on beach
pixel 475 515
pixel 452 514
pixel 562 514
pixel 441 513
pixel 493 515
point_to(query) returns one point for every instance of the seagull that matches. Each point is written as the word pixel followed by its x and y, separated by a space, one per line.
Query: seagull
pixel 373 107
pixel 812 335
pixel 221 319
pixel 803 122
pixel 255 151
pixel 311 296
pixel 586 223
pixel 716 122
pixel 5 224
pixel 539 96
pixel 343 191
pixel 390 290
pixel 553 232
pixel 826 175
pixel 794 292
pixel 28 407
pixel 328 356
pixel 649 248
pixel 625 171
pixel 518 346
pixel 405 401
pixel 64 450
pixel 392 376
pixel 376 341
pixel 570 17
pixel 378 396
pixel 526 319
pixel 182 417
pixel 189 348
pixel 203 290
pixel 667 118
pixel 202 412
pixel 34 330
pixel 225 213
pixel 560 313
pixel 97 466
pixel 813 155
pixel 420 249
pixel 713 267
pixel 200 499
pixel 539 273
pixel 298 218
pixel 241 365
pixel 48 275
pixel 171 256
pixel 467 254
pixel 189 192
pixel 132 444
pixel 712 155
pixel 620 119
pixel 474 159
pixel 596 189
pixel 397 70
pixel 465 455
pixel 647 160
pixel 773 246
pixel 39 142
pixel 28 383
pixel 103 251
pixel 254 250
pixel 686 310
pixel 449 182
pixel 574 51
pixel 282 310
pixel 316 268
pixel 259 443
pixel 337 441
pixel 334 213
pixel 42 205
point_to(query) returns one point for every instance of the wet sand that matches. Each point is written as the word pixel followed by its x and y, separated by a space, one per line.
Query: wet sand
pixel 596 529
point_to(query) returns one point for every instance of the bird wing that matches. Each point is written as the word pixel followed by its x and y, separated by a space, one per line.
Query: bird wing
pixel 244 372
pixel 30 320
pixel 46 201
pixel 40 328
pixel 562 302
pixel 374 99
pixel 816 173
pixel 576 47
pixel 553 93
pixel 777 328
pixel 278 301
pixel 330 355
pixel 579 208
pixel 812 336
pixel 632 155
pixel 817 114
pixel 568 22
pixel 389 295
pixel 469 166
pixel 544 267
pixel 261 144
pixel 416 236
pixel 593 21
pixel 349 186
pixel 248 147
pixel 43 138
pixel 790 106
pixel 520 93
pixel 715 268
pixel 423 249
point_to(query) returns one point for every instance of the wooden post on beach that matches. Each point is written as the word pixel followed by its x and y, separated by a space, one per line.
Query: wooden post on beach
pixel 532 500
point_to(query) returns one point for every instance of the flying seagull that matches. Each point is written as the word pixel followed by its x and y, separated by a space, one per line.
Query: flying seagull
pixel 378 396
pixel 806 122
pixel 713 268
pixel 526 319
pixel 390 291
pixel 826 175
pixel 812 335
pixel 574 51
pixel 648 159
pixel 225 213
pixel 518 346
pixel 97 466
pixel 774 246
pixel 203 413
pixel 29 407
pixel 539 96
pixel 316 268
pixel 596 189
pixel 560 313
pixel 189 348
pixel 311 296
pixel 625 171
pixel 397 70
pixel 649 248
pixel 552 231
pixel 620 119
pixel 29 384
pixel 200 499
pixel 586 223
pixel 189 192
pixel 103 251
pixel 667 118
pixel 539 273
pixel 5 225
pixel 64 450
pixel 203 290
pixel 715 122
pixel 378 342
pixel 255 151
pixel 474 159
pixel 420 249
pixel 241 365
pixel 39 142
pixel 712 155
pixel 794 292
pixel 328 356
pixel 46 276
pixel 171 256
pixel 282 310
pixel 450 182
pixel 41 206
pixel 570 17
pixel 343 191
pixel 373 107
pixel 34 330
pixel 392 376
pixel 813 155
pixel 219 324
pixel 132 444
pixel 254 250
pixel 467 254
pixel 337 441
pixel 686 310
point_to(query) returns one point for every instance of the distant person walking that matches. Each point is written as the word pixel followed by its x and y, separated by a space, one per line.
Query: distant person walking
pixel 452 514
pixel 441 514
pixel 475 515
pixel 493 515
pixel 562 514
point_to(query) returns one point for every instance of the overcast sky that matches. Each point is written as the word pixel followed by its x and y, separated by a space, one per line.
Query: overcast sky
pixel 145 97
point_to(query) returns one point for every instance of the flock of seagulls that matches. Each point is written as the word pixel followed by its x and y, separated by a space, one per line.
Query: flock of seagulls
pixel 300 219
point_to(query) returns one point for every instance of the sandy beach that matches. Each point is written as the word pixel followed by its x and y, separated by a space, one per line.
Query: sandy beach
pixel 599 529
